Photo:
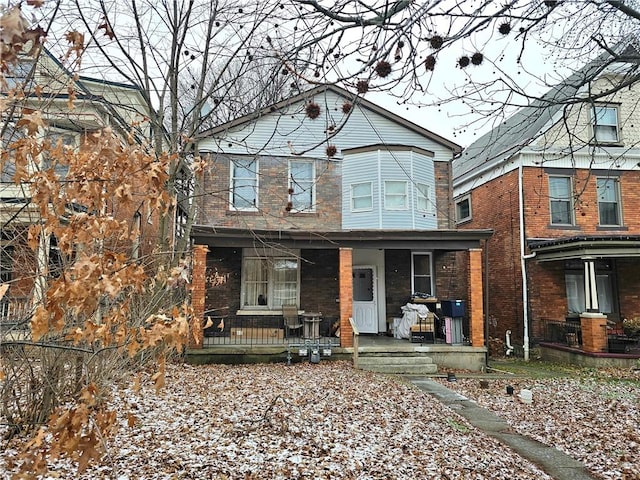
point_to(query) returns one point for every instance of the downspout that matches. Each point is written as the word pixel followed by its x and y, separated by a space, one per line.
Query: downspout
pixel 523 266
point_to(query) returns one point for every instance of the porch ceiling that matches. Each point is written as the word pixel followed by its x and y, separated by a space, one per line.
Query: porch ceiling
pixel 381 239
pixel 571 248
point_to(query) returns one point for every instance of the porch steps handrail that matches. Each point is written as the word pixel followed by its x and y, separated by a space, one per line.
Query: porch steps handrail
pixel 356 335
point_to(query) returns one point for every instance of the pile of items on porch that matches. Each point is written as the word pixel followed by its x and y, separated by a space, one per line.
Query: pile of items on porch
pixel 425 320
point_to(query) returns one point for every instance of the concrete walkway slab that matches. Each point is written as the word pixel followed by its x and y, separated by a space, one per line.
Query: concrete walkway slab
pixel 554 462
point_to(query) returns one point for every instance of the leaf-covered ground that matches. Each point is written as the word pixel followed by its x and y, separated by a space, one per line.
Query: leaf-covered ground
pixel 324 421
pixel 593 416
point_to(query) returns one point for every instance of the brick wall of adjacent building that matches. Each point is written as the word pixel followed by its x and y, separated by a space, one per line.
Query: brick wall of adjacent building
pixel 273 196
pixel 495 205
pixel 629 270
pixel 547 294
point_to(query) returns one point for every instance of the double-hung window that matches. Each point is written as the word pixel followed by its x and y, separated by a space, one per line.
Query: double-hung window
pixel 561 200
pixel 395 195
pixel 463 209
pixel 244 184
pixel 423 198
pixel 302 185
pixel 605 124
pixel 268 282
pixel 609 201
pixel 422 273
pixel 361 197
pixel 62 142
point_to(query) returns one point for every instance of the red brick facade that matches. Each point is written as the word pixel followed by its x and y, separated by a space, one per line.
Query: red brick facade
pixel 495 205
pixel 273 196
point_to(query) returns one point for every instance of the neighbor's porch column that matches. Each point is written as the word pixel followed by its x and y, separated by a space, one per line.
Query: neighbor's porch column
pixel 592 323
pixel 476 307
pixel 198 292
pixel 345 285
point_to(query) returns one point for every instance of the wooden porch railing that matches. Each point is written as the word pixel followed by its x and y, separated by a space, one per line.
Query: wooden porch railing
pixel 15 310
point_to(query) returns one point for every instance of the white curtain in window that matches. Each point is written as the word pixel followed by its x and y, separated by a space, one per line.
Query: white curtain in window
pixel 285 282
pixel 575 293
pixel 255 281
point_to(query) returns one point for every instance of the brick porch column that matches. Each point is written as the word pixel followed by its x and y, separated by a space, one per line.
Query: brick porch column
pixel 345 284
pixel 476 307
pixel 198 292
pixel 594 332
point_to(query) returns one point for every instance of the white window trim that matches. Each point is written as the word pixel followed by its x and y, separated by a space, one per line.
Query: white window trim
pixel 618 139
pixel 406 196
pixel 413 274
pixel 312 208
pixel 267 309
pixel 351 197
pixel 231 178
pixel 615 181
pixel 430 204
pixel 458 201
pixel 572 220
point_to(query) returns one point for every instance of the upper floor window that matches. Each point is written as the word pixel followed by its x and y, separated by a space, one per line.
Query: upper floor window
pixel 423 198
pixel 301 185
pixel 6 263
pixel 244 184
pixel 561 200
pixel 361 197
pixel 605 124
pixel 18 75
pixel 609 201
pixel 61 141
pixel 395 195
pixel 463 209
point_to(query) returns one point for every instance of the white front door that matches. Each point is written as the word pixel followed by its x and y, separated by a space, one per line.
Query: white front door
pixel 365 310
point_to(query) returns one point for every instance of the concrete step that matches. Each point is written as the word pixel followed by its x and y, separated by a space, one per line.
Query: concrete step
pixel 409 365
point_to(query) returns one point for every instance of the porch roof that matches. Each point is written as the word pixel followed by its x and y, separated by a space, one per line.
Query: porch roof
pixel 583 246
pixel 315 239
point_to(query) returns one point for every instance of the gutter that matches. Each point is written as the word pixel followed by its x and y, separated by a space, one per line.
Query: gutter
pixel 523 266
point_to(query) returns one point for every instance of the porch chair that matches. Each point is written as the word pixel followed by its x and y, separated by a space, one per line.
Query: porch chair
pixel 291 319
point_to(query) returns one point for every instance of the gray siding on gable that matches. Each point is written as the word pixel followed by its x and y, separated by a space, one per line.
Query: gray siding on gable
pixel 289 130
pixel 380 166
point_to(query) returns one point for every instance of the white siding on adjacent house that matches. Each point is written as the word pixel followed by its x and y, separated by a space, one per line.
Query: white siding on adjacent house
pixel 378 167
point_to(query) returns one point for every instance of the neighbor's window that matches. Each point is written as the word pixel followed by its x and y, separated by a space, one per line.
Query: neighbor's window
pixel 269 282
pixel 395 195
pixel 302 184
pixel 18 74
pixel 6 263
pixel 609 201
pixel 605 124
pixel 421 273
pixel 463 209
pixel 62 141
pixel 361 197
pixel 561 203
pixel 576 302
pixel 244 184
pixel 423 201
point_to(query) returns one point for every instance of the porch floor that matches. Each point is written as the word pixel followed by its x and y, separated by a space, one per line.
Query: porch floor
pixel 443 354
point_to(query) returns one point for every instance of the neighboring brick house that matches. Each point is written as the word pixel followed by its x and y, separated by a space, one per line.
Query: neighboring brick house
pixel 329 202
pixel 559 183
